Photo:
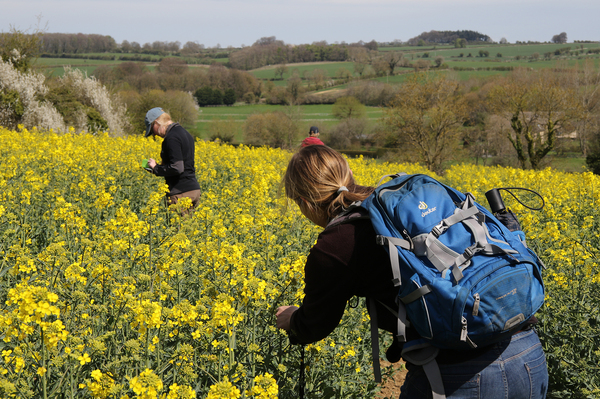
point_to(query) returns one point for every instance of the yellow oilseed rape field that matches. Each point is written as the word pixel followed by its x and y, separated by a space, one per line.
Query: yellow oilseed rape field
pixel 107 293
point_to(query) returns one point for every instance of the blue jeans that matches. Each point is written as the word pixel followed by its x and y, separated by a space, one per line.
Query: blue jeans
pixel 512 369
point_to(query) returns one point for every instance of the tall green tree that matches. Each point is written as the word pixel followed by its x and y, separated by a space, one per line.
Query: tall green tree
pixel 204 96
pixel 229 97
pixel 348 107
pixel 217 97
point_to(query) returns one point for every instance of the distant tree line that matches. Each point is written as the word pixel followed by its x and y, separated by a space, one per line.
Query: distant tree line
pixel 103 57
pixel 445 37
pixel 270 51
pixel 80 43
pixel 59 43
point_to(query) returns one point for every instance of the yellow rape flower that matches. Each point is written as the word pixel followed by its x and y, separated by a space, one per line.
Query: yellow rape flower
pixel 147 385
pixel 180 392
pixel 265 387
pixel 223 390
pixel 84 359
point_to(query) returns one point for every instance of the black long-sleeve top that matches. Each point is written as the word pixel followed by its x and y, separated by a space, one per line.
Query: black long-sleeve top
pixel 177 166
pixel 345 261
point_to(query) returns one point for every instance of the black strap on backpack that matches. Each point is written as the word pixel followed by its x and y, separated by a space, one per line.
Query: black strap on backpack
pixel 374 340
pixel 497 204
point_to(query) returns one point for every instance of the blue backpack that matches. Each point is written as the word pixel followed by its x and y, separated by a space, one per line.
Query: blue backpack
pixel 464 279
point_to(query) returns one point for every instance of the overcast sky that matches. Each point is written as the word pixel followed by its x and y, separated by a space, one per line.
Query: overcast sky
pixel 242 22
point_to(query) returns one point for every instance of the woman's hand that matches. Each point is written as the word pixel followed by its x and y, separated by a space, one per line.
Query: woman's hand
pixel 284 315
pixel 151 163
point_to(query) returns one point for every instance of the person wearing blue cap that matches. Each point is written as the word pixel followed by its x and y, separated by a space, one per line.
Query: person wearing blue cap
pixel 177 154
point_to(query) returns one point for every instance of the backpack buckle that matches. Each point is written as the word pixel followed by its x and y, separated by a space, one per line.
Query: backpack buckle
pixel 469 252
pixel 439 229
pixel 380 240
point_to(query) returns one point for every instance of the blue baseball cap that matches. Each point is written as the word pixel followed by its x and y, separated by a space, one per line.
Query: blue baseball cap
pixel 151 117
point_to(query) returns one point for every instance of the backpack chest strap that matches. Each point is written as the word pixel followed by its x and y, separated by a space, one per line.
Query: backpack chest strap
pixel 444 258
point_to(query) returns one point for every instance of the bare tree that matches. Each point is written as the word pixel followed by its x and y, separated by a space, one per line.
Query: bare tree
pixel 343 74
pixel 295 88
pixel 380 66
pixel 280 70
pixel 426 118
pixel 585 80
pixel 276 129
pixel 359 68
pixel 192 48
pixel 317 78
pixel 393 59
pixel 421 65
pixel 538 108
pixel 172 66
pixel 173 47
pixel 159 46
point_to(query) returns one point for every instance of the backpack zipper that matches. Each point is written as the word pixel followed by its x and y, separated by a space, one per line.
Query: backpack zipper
pixel 463 333
pixel 476 305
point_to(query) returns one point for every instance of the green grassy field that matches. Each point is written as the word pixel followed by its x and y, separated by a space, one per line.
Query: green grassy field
pixel 499 62
pixel 405 73
pixel 507 50
pixel 55 66
pixel 309 115
pixel 329 67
